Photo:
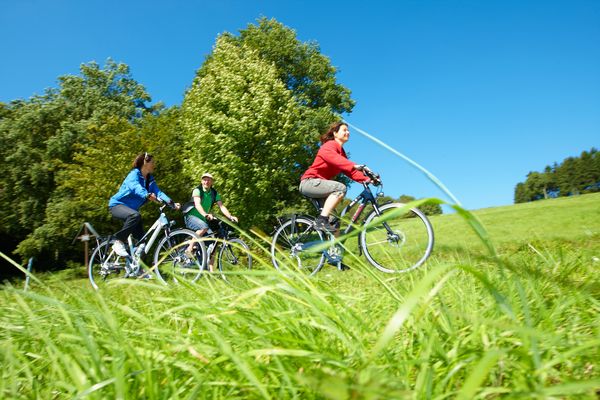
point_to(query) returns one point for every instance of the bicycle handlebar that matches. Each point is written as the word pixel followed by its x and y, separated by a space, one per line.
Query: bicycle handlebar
pixel 164 204
pixel 373 176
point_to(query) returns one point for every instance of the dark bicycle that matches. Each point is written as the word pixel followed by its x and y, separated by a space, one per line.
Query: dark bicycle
pixel 232 253
pixel 393 238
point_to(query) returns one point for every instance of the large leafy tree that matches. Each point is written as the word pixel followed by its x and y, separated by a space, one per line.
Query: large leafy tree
pixel 96 171
pixel 306 72
pixel 40 137
pixel 253 116
pixel 239 121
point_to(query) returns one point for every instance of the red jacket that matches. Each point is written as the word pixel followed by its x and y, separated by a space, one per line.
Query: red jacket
pixel 331 159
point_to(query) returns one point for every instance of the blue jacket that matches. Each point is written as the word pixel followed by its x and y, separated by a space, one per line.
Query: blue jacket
pixel 133 192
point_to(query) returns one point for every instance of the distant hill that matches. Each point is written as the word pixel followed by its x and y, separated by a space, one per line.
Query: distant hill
pixel 575 218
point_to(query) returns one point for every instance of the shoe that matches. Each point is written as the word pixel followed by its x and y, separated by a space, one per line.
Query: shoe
pixel 120 249
pixel 343 267
pixel 324 225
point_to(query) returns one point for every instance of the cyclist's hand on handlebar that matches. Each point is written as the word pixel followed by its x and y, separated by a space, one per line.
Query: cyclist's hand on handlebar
pixel 359 167
pixel 209 217
pixel 175 206
pixel 233 218
pixel 152 197
pixel 375 180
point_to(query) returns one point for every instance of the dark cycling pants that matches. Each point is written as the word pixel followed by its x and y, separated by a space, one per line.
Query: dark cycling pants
pixel 132 222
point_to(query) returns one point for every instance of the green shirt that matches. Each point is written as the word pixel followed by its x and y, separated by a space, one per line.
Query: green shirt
pixel 206 202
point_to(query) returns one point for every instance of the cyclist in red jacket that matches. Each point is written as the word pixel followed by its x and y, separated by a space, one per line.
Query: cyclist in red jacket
pixel 331 160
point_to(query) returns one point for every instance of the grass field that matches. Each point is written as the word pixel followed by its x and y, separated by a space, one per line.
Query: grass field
pixel 524 323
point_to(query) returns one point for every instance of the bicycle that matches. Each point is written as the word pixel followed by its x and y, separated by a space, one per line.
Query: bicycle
pixel 394 239
pixel 106 264
pixel 233 253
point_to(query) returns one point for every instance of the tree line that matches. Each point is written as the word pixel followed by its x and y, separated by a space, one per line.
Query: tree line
pixel 251 117
pixel 575 175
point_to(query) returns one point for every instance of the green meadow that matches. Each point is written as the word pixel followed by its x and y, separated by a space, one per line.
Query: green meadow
pixel 510 312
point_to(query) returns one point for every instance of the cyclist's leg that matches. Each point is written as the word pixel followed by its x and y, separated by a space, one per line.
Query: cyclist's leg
pixel 196 224
pixel 132 222
pixel 202 229
pixel 331 202
pixel 332 191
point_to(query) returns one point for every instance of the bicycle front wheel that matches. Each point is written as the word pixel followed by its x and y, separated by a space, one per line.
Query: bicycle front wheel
pixel 297 245
pixel 397 241
pixel 179 256
pixel 105 264
pixel 234 255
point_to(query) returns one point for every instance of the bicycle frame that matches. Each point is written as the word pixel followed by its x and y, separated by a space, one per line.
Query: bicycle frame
pixel 219 237
pixel 364 198
pixel 162 224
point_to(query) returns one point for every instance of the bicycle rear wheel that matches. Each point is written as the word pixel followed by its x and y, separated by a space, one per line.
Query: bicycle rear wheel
pixel 173 261
pixel 298 246
pixel 234 255
pixel 397 241
pixel 105 264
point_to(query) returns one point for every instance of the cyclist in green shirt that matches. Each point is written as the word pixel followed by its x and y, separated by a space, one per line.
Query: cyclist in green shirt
pixel 198 215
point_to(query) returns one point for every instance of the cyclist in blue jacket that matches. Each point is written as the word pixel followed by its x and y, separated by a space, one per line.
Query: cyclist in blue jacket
pixel 138 187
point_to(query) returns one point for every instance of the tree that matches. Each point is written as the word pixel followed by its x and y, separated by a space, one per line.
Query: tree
pixel 306 72
pixel 44 134
pixel 573 176
pixel 521 193
pixel 254 114
pixel 567 177
pixel 589 176
pixel 239 121
pixel 85 184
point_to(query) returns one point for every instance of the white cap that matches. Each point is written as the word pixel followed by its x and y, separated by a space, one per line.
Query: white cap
pixel 207 175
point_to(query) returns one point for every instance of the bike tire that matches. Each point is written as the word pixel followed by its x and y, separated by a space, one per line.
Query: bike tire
pixel 291 246
pixel 105 264
pixel 407 248
pixel 171 261
pixel 234 255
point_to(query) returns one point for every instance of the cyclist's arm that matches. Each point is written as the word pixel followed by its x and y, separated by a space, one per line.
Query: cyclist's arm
pixel 225 211
pixel 357 176
pixel 159 193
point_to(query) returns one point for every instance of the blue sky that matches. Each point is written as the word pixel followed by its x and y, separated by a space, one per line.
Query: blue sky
pixel 477 92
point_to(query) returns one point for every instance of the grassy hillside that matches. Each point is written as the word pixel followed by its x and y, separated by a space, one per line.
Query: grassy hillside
pixel 467 325
pixel 564 218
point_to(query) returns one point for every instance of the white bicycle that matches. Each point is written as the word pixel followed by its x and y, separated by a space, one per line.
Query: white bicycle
pixel 170 261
